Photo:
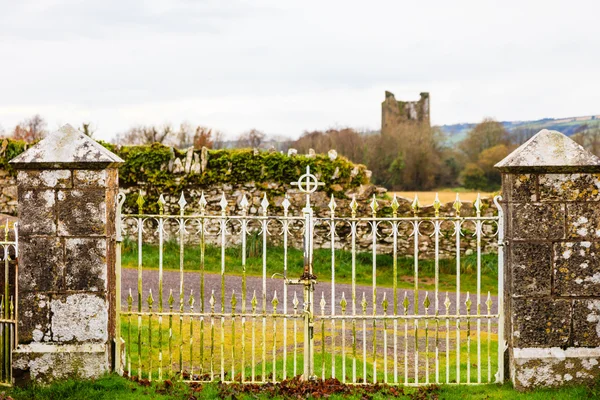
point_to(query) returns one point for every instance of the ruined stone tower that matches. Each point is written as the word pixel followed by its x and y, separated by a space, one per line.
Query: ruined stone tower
pixel 395 113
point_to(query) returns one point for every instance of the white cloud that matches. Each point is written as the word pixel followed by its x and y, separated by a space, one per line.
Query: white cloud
pixel 288 66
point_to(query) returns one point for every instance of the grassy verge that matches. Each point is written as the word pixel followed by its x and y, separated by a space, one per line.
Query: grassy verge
pixel 114 387
pixel 322 265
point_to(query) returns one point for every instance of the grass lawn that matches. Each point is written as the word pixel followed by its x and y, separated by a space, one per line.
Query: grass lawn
pixel 112 387
pixel 322 265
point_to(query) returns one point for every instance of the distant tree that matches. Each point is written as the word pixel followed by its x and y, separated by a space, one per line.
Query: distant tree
pixel 486 134
pixel 490 157
pixel 251 138
pixel 203 137
pixel 218 141
pixel 30 129
pixel 139 135
pixel 473 177
pixel 589 139
pixel 87 129
pixel 520 135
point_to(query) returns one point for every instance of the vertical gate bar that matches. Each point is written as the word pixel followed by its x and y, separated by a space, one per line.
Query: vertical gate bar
pixel 479 227
pixel 191 341
pixel 7 306
pixel 457 229
pixel 295 305
pixel 332 206
pixel 120 198
pixel 243 231
pixel 405 304
pixel 140 228
pixel 323 335
pixel 286 204
pixel 254 303
pixel 426 304
pixel 353 227
pixel 150 303
pixel 161 221
pixel 395 206
pixel 437 228
pixel 447 305
pixel 275 302
pixel 212 334
pixel 415 206
pixel 171 301
pixel 264 205
pixel 182 203
pixel 223 221
pixel 12 336
pixel 374 207
pixel 468 305
pixel 343 304
pixel 181 315
pixel 489 339
pixel 3 352
pixel 202 249
pixel 364 337
pixel 501 344
pixel 384 304
pixel 233 333
pixel 129 344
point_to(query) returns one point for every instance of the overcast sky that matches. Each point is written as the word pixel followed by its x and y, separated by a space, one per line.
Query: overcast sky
pixel 288 66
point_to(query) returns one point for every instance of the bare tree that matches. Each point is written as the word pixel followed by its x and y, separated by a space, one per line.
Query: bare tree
pixel 87 129
pixel 218 141
pixel 252 138
pixel 140 135
pixel 30 129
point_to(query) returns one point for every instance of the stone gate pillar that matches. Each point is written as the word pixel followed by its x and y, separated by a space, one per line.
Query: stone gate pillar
pixel 67 187
pixel 551 195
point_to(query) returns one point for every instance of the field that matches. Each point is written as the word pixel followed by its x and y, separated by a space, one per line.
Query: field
pixel 445 195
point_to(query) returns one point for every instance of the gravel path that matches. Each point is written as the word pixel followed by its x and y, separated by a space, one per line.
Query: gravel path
pixel 191 281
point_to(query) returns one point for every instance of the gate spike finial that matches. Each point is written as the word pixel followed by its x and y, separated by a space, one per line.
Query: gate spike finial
pixel 286 203
pixel 150 299
pixel 161 204
pixel 447 303
pixel 264 204
pixel 468 302
pixel 323 303
pixel 457 205
pixel 254 302
pixel 478 204
pixel 203 202
pixel 374 205
pixel 332 204
pixel 233 300
pixel 191 300
pixel 488 303
pixel 426 302
pixel 405 303
pixel 415 204
pixel 395 204
pixel 244 203
pixel 211 301
pixel 343 303
pixel 353 205
pixel 275 301
pixel 182 203
pixel 436 205
pixel 171 298
pixel 363 303
pixel 295 301
pixel 223 202
pixel 384 303
pixel 140 202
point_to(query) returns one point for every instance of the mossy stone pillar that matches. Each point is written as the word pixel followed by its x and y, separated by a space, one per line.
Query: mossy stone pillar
pixel 551 195
pixel 67 188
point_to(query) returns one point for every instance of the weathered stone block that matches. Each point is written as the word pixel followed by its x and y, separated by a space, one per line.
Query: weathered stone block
pixel 577 268
pixel 36 212
pixel 538 221
pixel 554 367
pixel 34 317
pixel 90 178
pixel 583 220
pixel 586 323
pixel 41 265
pixel 541 322
pixel 81 212
pixel 531 269
pixel 44 363
pixel 85 261
pixel 47 178
pixel 519 188
pixel 569 187
pixel 78 318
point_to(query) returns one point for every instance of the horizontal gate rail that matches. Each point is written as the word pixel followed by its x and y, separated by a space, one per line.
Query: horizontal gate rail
pixel 230 326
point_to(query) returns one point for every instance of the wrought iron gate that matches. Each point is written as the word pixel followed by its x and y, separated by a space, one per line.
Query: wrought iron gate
pixel 8 301
pixel 220 317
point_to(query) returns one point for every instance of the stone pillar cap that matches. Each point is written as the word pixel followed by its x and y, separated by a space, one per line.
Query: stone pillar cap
pixel 66 148
pixel 550 152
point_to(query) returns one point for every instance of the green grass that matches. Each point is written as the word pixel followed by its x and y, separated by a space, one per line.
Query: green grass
pixel 111 387
pixel 322 265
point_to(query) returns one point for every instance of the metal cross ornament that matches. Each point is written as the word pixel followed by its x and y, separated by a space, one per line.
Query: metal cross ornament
pixel 308 184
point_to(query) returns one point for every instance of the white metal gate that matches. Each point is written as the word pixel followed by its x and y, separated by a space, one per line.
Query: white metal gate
pixel 231 321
